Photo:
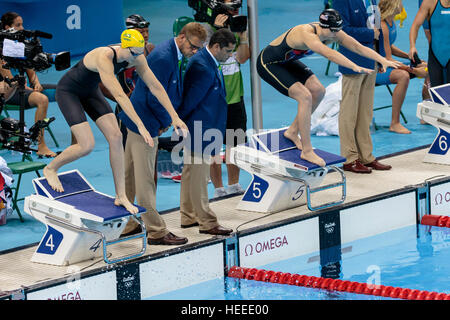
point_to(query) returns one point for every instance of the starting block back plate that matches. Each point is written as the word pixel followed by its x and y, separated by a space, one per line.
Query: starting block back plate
pixel 82 196
pixel 72 182
pixel 441 94
pixel 274 142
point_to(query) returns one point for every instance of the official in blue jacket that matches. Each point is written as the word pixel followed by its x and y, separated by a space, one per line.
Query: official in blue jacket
pixel 167 62
pixel 362 22
pixel 204 110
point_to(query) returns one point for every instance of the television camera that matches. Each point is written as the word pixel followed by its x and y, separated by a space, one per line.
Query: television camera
pixel 207 11
pixel 22 50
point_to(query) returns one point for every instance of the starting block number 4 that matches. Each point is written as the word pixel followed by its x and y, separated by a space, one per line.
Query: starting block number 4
pixel 50 242
pixel 440 145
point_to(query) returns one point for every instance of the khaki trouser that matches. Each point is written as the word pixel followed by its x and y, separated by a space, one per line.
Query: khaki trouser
pixel 355 117
pixel 139 182
pixel 194 203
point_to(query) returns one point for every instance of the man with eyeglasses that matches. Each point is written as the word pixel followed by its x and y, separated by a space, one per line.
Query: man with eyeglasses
pixel 166 61
pixel 204 109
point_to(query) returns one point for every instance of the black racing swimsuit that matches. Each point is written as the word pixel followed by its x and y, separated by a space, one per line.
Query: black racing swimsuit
pixel 280 66
pixel 77 93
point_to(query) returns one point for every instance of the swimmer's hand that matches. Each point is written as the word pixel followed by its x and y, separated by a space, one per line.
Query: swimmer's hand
pixel 178 124
pixel 145 135
pixel 389 63
pixel 359 69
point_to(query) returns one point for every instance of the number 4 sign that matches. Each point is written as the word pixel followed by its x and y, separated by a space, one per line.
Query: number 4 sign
pixel 50 242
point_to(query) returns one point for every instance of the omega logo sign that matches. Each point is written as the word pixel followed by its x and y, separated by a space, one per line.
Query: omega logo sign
pixel 263 246
pixel 442 198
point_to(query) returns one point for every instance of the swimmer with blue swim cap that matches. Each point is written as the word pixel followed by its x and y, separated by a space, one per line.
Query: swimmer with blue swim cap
pixel 78 94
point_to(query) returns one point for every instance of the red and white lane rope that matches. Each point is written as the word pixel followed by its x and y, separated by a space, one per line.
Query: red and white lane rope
pixel 435 220
pixel 334 284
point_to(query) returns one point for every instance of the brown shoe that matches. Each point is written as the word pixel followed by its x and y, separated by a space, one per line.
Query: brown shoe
pixel 218 231
pixel 378 165
pixel 169 239
pixel 356 167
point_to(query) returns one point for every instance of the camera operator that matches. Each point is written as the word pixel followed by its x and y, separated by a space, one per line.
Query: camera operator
pixel 33 96
pixel 236 116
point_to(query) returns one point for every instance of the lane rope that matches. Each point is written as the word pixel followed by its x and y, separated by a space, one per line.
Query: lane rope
pixel 435 220
pixel 334 284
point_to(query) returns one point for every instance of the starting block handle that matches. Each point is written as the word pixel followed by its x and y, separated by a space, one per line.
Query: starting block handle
pixel 341 184
pixel 142 235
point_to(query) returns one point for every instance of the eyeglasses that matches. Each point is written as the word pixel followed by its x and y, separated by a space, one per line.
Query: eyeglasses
pixel 193 47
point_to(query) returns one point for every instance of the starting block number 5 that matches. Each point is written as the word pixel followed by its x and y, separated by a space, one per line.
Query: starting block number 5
pixel 257 190
pixel 440 145
pixel 50 242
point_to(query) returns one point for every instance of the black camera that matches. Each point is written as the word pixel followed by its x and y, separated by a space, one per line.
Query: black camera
pixel 12 139
pixel 208 10
pixel 22 49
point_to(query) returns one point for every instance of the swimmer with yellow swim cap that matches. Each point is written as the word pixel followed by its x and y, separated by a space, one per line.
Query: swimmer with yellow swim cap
pixel 78 94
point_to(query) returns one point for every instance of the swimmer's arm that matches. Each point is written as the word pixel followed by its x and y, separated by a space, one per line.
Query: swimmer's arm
pixel 105 69
pixel 351 44
pixel 147 75
pixel 313 42
pixel 422 14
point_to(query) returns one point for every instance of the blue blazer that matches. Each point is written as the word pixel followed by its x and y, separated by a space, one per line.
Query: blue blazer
pixel 354 14
pixel 204 100
pixel 163 61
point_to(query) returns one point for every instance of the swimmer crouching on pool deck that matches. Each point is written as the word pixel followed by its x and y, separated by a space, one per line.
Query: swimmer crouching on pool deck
pixel 78 93
pixel 278 64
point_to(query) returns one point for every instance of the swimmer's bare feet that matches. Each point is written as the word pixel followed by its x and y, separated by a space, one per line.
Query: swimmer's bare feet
pixel 293 136
pixel 124 202
pixel 312 157
pixel 398 128
pixel 52 179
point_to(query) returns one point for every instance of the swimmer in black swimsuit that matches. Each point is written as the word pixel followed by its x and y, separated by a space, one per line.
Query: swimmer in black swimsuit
pixel 78 93
pixel 278 64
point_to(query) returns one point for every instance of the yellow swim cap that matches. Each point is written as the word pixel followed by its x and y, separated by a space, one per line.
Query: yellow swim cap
pixel 132 38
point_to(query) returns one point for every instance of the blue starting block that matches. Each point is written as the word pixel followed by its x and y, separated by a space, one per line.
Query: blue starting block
pixel 281 179
pixel 437 113
pixel 79 221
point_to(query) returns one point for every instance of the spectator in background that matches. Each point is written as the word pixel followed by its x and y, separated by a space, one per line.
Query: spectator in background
pixel 204 103
pixel 236 114
pixel 166 62
pixel 437 12
pixel 361 21
pixel 33 94
pixel 389 9
pixel 128 77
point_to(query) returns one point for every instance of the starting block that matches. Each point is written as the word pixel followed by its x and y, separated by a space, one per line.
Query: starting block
pixel 437 113
pixel 79 221
pixel 281 179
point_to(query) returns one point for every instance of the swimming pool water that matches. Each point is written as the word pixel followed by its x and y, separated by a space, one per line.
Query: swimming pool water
pixel 414 257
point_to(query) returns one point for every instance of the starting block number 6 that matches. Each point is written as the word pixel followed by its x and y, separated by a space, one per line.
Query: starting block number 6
pixel 440 145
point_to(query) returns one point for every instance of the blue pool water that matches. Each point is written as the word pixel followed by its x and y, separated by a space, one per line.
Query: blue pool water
pixel 275 17
pixel 414 257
